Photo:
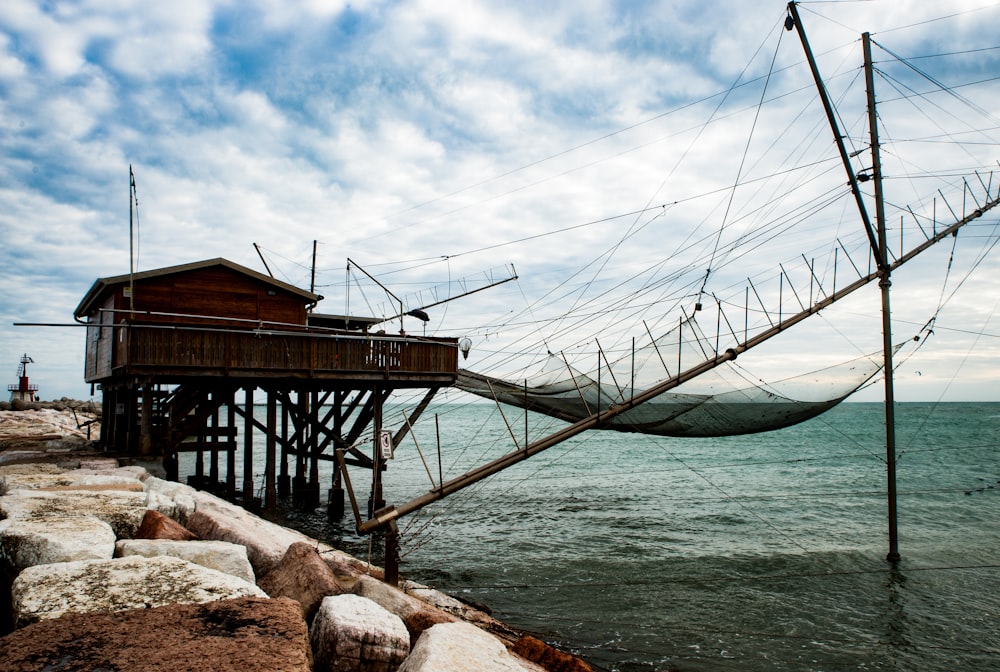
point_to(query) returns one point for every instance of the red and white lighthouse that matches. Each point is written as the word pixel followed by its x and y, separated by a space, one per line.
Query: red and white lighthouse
pixel 22 389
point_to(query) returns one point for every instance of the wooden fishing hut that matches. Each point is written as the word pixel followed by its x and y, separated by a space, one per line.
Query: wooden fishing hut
pixel 181 353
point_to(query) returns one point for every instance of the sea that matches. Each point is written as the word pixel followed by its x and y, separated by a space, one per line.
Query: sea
pixel 756 552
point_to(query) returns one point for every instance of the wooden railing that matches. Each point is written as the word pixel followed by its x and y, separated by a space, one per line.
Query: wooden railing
pixel 220 352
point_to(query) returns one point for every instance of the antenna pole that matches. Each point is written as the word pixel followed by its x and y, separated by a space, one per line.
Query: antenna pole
pixel 884 284
pixel 312 279
pixel 384 288
pixel 262 259
pixel 131 248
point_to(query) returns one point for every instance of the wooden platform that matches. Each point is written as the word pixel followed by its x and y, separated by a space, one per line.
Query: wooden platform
pixel 176 353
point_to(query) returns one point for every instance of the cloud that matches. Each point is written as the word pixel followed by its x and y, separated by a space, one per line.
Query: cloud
pixel 431 140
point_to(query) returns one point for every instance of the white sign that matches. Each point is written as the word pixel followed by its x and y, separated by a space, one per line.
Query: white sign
pixel 385 444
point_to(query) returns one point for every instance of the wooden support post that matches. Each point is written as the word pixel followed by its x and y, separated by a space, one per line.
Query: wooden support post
pixel 284 480
pixel 199 456
pixel 270 492
pixel 131 421
pixel 213 465
pixel 335 498
pixel 302 447
pixel 376 501
pixel 107 417
pixel 313 497
pixel 248 448
pixel 146 432
pixel 231 452
pixel 392 554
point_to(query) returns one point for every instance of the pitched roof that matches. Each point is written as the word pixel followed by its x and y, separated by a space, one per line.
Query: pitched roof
pixel 102 284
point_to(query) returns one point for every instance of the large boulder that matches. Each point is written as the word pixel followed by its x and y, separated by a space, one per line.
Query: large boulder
pixel 71 478
pixel 418 616
pixel 155 525
pixel 265 542
pixel 303 576
pixel 459 647
pixel 123 511
pixel 239 635
pixel 29 468
pixel 110 468
pixel 172 499
pixel 219 555
pixel 550 658
pixel 353 634
pixel 347 566
pixel 26 542
pixel 459 609
pixel 48 591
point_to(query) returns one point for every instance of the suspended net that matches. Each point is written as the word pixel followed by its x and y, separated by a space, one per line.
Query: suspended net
pixel 722 402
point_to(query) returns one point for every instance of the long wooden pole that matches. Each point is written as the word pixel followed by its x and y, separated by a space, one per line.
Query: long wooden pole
pixel 884 284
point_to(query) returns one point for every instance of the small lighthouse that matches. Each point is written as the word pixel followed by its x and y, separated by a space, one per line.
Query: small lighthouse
pixel 22 389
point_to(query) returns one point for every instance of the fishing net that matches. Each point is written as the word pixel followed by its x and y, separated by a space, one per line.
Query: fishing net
pixel 721 402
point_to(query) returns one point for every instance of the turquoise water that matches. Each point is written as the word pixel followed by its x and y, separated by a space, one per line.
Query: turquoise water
pixel 761 552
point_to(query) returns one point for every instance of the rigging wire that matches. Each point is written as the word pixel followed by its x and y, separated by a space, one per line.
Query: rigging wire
pixel 614 248
pixel 739 171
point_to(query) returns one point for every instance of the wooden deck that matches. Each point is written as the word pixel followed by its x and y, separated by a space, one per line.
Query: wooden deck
pixel 179 352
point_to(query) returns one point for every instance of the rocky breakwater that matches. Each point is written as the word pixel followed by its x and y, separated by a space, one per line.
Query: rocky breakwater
pixel 109 567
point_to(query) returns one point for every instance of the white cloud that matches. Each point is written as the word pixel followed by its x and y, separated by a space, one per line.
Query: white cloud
pixel 417 130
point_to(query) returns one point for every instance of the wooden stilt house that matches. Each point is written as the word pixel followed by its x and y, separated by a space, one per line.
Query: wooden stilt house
pixel 180 352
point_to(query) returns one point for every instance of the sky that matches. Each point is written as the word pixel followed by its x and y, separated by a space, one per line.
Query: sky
pixel 628 159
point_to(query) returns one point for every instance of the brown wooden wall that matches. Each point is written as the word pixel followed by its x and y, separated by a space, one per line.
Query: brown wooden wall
pixel 215 292
pixel 100 343
pixel 226 298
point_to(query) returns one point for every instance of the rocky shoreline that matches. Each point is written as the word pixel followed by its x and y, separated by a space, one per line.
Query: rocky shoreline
pixel 104 565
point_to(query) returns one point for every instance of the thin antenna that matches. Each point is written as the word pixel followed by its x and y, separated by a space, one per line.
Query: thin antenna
pixel 312 279
pixel 131 246
pixel 384 288
pixel 262 259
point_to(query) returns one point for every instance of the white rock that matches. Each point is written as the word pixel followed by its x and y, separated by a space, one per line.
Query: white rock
pixel 26 542
pixel 123 511
pixel 219 555
pixel 444 602
pixel 389 597
pixel 49 591
pixel 172 499
pixel 13 474
pixel 352 633
pixel 132 471
pixel 69 479
pixel 459 647
pixel 98 463
pixel 265 542
pixel 11 458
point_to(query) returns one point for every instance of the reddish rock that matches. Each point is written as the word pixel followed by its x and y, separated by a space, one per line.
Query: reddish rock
pixel 241 635
pixel 155 525
pixel 302 575
pixel 419 621
pixel 550 658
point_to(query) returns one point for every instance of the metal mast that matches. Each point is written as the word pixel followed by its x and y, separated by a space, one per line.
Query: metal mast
pixel 884 283
pixel 879 250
